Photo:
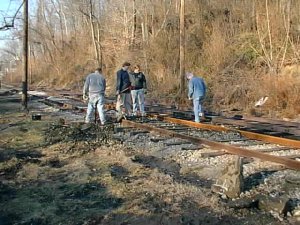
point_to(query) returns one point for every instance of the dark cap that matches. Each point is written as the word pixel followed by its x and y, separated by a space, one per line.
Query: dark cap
pixel 126 64
pixel 99 69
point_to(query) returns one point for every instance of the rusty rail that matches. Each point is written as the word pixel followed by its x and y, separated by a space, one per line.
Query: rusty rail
pixel 260 125
pixel 248 134
pixel 271 121
pixel 289 163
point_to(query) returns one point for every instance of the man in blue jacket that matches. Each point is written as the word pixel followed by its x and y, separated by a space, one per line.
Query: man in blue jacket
pixel 123 88
pixel 93 91
pixel 197 90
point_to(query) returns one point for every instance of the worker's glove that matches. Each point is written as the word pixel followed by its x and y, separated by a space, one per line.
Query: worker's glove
pixel 85 98
pixel 118 99
pixel 145 91
pixel 190 98
pixel 118 92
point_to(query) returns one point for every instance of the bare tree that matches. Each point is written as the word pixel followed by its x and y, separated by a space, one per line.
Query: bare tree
pixel 182 47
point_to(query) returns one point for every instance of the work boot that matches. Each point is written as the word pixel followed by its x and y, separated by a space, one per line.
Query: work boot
pixel 119 118
pixel 205 119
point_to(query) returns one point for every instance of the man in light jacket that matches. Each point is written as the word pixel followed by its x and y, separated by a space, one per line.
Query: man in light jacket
pixel 93 91
pixel 197 90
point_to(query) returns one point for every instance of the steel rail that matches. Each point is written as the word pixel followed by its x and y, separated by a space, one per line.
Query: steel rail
pixel 289 163
pixel 259 125
pixel 248 134
pixel 271 121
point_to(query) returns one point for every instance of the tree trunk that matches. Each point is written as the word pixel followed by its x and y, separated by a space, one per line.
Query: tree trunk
pixel 93 33
pixel 125 22
pixel 133 24
pixel 182 48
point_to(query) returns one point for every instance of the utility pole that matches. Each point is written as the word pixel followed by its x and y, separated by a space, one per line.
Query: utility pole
pixel 25 57
pixel 182 48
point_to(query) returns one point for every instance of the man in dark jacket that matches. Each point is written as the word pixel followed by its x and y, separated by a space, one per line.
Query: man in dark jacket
pixel 123 91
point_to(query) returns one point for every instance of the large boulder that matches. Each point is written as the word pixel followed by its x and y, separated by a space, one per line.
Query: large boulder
pixel 231 182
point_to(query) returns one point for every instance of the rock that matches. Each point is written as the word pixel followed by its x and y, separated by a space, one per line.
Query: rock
pixel 223 196
pixel 86 127
pixel 157 139
pixel 231 182
pixel 293 179
pixel 296 213
pixel 279 205
pixel 61 121
pixel 122 129
pixel 118 138
pixel 245 203
pixel 133 133
pixel 23 129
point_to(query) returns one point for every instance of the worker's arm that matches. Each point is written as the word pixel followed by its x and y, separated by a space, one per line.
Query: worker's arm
pixel 144 82
pixel 86 88
pixel 104 84
pixel 118 86
pixel 191 89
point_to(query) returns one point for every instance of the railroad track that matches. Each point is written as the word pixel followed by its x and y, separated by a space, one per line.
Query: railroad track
pixel 261 125
pixel 236 142
pixel 241 142
pixel 69 101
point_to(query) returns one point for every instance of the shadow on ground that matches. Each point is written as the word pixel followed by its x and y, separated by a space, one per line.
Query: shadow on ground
pixel 173 169
pixel 256 179
pixel 189 214
pixel 54 203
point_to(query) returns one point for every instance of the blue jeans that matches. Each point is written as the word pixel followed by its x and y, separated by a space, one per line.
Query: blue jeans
pixel 197 102
pixel 138 98
pixel 90 116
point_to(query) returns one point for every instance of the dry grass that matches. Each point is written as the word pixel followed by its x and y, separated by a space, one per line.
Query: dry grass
pixel 216 49
pixel 284 94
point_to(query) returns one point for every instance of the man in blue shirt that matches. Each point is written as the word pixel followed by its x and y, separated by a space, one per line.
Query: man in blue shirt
pixel 197 90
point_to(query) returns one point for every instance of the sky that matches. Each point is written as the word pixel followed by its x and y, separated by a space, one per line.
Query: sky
pixel 8 8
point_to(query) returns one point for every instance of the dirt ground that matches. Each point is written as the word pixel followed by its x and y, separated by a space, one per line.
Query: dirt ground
pixel 51 173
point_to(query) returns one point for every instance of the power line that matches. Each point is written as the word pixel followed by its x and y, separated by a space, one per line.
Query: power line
pixel 8 26
pixel 8 7
pixel 5 13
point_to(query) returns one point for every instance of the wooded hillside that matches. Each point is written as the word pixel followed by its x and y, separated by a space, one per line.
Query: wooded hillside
pixel 244 49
